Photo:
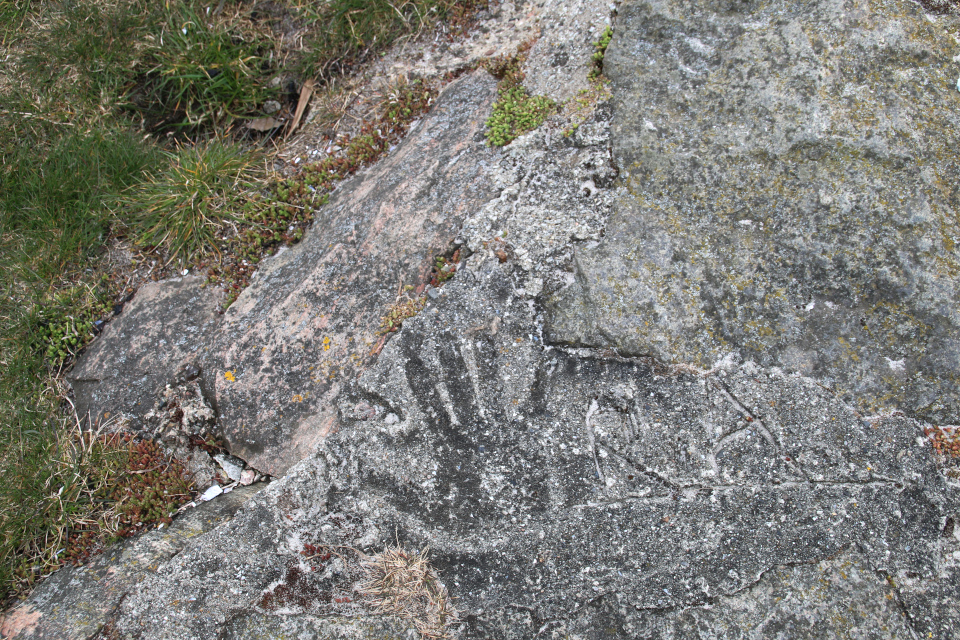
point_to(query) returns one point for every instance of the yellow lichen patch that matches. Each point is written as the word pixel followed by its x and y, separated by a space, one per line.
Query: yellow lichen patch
pixel 326 343
pixel 229 376
pixel 849 351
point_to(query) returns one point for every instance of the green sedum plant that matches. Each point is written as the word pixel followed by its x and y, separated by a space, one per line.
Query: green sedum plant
pixel 65 322
pixel 515 113
pixel 600 50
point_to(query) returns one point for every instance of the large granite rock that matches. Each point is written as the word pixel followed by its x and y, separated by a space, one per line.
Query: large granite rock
pixel 161 334
pixel 583 495
pixel 793 199
pixel 311 318
pixel 570 491
pixel 76 602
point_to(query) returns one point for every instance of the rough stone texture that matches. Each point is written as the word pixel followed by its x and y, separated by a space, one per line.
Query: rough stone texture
pixel 75 602
pixel 182 419
pixel 582 494
pixel 837 598
pixel 552 480
pixel 571 492
pixel 792 200
pixel 222 584
pixel 164 328
pixel 562 58
pixel 310 320
pixel 259 626
pixel 552 191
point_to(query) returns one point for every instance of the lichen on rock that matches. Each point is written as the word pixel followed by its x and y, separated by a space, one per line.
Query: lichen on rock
pixel 792 198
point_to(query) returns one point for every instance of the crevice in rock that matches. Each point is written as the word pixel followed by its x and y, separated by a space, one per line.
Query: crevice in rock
pixel 185 423
pixel 108 630
pixel 898 600
pixel 850 484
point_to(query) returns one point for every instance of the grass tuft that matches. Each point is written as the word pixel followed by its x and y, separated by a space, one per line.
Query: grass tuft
pixel 87 50
pixel 12 15
pixel 350 32
pixel 182 206
pixel 56 190
pixel 201 70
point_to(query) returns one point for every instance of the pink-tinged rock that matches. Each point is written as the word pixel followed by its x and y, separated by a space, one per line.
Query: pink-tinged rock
pixel 160 331
pixel 310 321
pixel 247 477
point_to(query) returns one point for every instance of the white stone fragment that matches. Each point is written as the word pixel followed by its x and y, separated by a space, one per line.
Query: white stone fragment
pixel 896 365
pixel 211 493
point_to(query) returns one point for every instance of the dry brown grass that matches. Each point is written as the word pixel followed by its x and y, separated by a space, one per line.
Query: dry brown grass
pixel 402 583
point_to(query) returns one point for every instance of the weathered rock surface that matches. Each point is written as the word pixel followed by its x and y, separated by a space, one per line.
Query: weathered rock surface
pixel 561 60
pixel 792 197
pixel 581 494
pixel 76 602
pixel 159 334
pixel 311 319
pixel 720 490
pixel 550 479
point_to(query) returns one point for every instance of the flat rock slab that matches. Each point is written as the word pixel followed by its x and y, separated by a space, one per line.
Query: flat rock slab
pixel 76 602
pixel 311 319
pixel 571 490
pixel 792 199
pixel 591 490
pixel 165 327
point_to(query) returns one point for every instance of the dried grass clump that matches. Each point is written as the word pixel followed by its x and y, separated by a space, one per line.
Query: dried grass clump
pixel 402 583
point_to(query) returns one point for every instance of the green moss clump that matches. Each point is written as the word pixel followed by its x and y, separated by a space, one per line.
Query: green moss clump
pixel 600 50
pixel 64 323
pixel 516 112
